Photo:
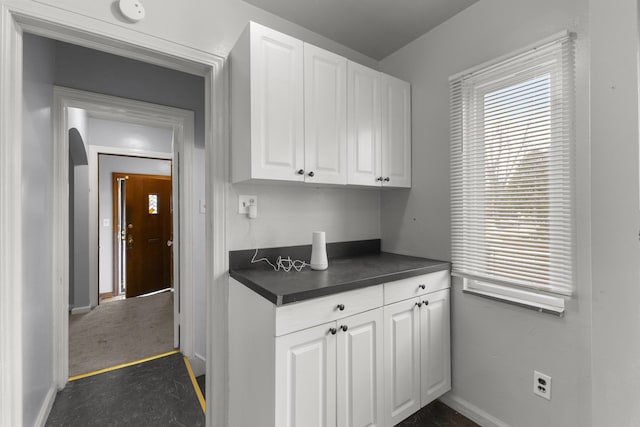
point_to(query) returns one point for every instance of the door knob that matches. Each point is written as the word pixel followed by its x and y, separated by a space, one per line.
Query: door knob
pixel 129 241
pixel 333 331
pixel 311 174
pixel 344 328
pixel 169 243
pixel 387 179
pixel 300 171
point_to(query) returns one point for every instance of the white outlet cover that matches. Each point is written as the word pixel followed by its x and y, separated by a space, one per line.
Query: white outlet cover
pixel 542 385
pixel 132 10
pixel 244 201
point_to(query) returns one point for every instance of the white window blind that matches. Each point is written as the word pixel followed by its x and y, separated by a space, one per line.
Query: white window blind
pixel 512 170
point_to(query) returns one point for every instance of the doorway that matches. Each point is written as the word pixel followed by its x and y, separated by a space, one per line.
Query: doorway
pixel 171 132
pixel 143 234
pixel 82 30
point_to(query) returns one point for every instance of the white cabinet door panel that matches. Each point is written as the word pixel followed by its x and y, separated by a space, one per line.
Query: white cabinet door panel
pixel 306 378
pixel 363 125
pixel 396 132
pixel 325 115
pixel 402 360
pixel 360 370
pixel 435 346
pixel 277 101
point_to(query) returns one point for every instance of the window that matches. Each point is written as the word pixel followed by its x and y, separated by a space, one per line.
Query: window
pixel 512 177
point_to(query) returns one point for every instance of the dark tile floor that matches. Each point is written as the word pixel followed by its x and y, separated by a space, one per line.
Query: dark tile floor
pixel 437 414
pixel 200 381
pixel 154 393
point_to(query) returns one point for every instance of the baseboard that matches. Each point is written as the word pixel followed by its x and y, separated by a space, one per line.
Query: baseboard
pixel 45 409
pixel 198 365
pixel 471 411
pixel 81 310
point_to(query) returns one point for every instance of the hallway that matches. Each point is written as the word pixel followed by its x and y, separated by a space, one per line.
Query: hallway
pixel 120 331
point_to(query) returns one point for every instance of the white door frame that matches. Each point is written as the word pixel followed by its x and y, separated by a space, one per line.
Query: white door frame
pixel 47 21
pixel 181 123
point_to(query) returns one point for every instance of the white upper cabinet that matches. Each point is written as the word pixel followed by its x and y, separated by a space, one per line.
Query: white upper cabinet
pixel 378 128
pixel 301 113
pixel 396 131
pixel 325 116
pixel 267 102
pixel 363 125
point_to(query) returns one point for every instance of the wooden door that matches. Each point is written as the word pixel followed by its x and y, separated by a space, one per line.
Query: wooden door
pixel 149 237
pixel 435 346
pixel 305 376
pixel 325 116
pixel 402 360
pixel 396 132
pixel 363 125
pixel 277 121
pixel 360 370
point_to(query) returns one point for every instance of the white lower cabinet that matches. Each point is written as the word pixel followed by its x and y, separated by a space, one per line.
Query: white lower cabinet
pixel 417 354
pixel 368 357
pixel 401 360
pixel 435 346
pixel 306 378
pixel 359 368
pixel 331 375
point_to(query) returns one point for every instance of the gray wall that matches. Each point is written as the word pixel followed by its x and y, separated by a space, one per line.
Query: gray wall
pixel 37 234
pixel 108 165
pixel 495 346
pixel 614 211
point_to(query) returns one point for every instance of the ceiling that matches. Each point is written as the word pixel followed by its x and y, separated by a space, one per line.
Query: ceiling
pixel 375 28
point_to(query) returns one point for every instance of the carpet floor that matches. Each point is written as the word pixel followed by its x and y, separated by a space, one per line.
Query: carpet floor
pixel 119 332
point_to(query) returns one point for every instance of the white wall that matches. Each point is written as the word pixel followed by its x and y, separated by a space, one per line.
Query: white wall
pixel 614 209
pixel 209 25
pixel 109 164
pixel 495 346
pixel 37 234
pixel 110 133
pixel 78 213
pixel 287 214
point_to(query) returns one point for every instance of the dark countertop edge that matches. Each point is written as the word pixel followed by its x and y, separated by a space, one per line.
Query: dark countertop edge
pixel 338 287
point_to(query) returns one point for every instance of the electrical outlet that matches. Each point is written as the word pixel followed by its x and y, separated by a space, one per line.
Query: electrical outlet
pixel 542 385
pixel 244 202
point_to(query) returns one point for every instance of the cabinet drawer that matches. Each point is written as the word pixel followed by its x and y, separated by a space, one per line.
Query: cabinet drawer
pixel 415 286
pixel 301 315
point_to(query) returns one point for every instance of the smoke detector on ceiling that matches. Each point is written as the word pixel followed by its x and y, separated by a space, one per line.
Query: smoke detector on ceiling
pixel 132 10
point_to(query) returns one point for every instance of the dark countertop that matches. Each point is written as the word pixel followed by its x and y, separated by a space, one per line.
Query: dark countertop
pixel 344 274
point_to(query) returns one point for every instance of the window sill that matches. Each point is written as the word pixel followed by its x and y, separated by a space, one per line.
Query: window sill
pixel 522 298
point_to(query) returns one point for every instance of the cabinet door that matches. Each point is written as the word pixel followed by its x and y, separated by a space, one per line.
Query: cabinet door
pixel 401 360
pixel 325 116
pixel 360 370
pixel 435 346
pixel 277 139
pixel 306 378
pixel 396 132
pixel 363 125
